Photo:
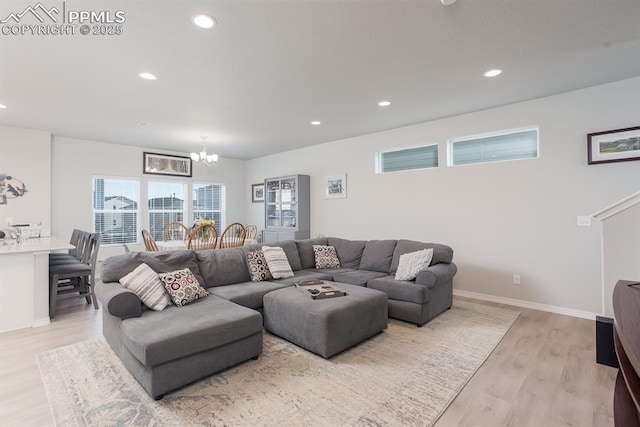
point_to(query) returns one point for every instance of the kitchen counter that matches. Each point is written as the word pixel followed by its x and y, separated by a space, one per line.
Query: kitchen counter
pixel 24 281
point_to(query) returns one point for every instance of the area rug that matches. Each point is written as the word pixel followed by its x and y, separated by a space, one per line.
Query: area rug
pixel 403 376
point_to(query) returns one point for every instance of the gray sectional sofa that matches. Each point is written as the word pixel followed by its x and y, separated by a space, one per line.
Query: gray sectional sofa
pixel 167 349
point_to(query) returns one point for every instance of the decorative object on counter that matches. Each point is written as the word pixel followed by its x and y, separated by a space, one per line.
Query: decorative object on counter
pixel 10 188
pixel 335 186
pixel 619 145
pixel 165 164
pixel 257 192
pixel 2 234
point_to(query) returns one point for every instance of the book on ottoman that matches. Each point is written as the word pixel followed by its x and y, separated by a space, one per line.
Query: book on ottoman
pixel 319 289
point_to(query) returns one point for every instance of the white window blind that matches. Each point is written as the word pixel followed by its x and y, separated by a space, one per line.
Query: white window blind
pixel 166 204
pixel 509 145
pixel 209 202
pixel 408 159
pixel 116 210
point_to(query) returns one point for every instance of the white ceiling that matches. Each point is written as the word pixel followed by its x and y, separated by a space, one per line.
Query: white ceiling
pixel 254 82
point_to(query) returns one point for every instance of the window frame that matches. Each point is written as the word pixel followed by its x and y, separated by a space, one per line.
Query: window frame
pixel 452 141
pixel 185 204
pixel 137 212
pixel 378 163
pixel 220 226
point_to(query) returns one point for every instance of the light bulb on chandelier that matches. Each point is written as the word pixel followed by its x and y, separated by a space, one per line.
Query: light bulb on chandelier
pixel 203 158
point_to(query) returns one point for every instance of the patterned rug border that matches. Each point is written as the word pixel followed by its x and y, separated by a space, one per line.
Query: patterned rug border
pixel 64 411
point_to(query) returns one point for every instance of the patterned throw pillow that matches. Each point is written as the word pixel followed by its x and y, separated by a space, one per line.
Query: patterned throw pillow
pixel 413 263
pixel 258 268
pixel 278 262
pixel 144 282
pixel 326 257
pixel 183 287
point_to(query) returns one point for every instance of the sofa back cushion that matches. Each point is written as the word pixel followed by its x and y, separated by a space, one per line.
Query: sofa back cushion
pixel 377 255
pixel 221 267
pixel 291 250
pixel 349 251
pixel 305 251
pixel 118 266
pixel 441 253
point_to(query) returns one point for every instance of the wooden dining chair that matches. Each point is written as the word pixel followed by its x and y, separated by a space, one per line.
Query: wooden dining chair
pixel 232 236
pixel 203 237
pixel 149 241
pixel 251 231
pixel 176 231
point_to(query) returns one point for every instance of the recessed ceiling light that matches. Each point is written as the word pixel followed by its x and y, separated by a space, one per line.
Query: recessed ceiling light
pixel 447 2
pixel 493 73
pixel 204 21
pixel 384 103
pixel 2 106
pixel 316 123
pixel 147 76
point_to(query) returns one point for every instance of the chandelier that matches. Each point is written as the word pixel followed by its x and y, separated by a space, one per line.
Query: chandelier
pixel 202 158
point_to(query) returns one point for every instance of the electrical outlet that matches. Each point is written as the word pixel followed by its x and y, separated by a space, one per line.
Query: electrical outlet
pixel 583 221
pixel 516 279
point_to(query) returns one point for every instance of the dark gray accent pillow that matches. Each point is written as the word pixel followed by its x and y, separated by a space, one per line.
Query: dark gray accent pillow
pixel 349 251
pixel 377 255
pixel 305 251
pixel 441 253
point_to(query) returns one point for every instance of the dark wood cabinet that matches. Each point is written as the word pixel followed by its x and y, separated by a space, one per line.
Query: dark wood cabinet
pixel 626 310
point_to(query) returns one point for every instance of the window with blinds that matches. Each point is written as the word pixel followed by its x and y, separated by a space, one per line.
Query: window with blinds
pixel 404 159
pixel 166 202
pixel 116 210
pixel 209 203
pixel 497 147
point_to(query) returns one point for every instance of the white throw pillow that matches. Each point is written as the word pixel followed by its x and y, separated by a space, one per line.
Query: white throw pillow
pixel 277 262
pixel 413 263
pixel 145 283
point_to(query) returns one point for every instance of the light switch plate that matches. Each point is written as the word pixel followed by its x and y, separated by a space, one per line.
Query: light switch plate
pixel 584 221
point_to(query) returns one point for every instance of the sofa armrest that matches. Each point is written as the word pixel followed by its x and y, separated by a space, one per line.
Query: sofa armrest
pixel 119 301
pixel 436 274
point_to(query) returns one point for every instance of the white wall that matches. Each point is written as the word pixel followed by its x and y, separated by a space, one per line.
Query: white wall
pixel 26 155
pixel 501 219
pixel 76 161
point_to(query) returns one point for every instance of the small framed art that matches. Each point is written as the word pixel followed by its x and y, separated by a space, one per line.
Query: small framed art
pixel 166 164
pixel 335 186
pixel 620 145
pixel 257 192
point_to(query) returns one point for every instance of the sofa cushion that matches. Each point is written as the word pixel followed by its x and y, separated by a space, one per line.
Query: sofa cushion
pixel 223 266
pixel 247 294
pixel 258 267
pixel 306 275
pixel 401 290
pixel 349 251
pixel 377 255
pixel 277 261
pixel 291 250
pixel 146 284
pixel 160 336
pixel 326 257
pixel 412 263
pixel 182 286
pixel 357 277
pixel 305 251
pixel 119 266
pixel 441 253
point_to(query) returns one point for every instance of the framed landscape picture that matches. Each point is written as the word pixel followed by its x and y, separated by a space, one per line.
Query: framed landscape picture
pixel 166 164
pixel 257 192
pixel 335 186
pixel 620 145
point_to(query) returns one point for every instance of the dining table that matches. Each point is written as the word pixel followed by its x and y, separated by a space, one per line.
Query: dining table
pixel 178 245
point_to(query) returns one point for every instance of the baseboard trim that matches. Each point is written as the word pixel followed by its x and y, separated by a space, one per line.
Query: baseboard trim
pixel 527 304
pixel 41 322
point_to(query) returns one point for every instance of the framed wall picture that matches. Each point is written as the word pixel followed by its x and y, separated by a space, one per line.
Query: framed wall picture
pixel 257 192
pixel 620 145
pixel 335 186
pixel 166 164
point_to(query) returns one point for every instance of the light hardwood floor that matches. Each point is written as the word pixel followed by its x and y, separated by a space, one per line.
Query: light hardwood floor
pixel 543 373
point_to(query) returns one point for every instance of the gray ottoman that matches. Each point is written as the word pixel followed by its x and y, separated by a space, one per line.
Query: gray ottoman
pixel 325 326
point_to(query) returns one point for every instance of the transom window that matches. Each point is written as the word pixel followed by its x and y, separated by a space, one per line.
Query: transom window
pixel 422 157
pixel 497 147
